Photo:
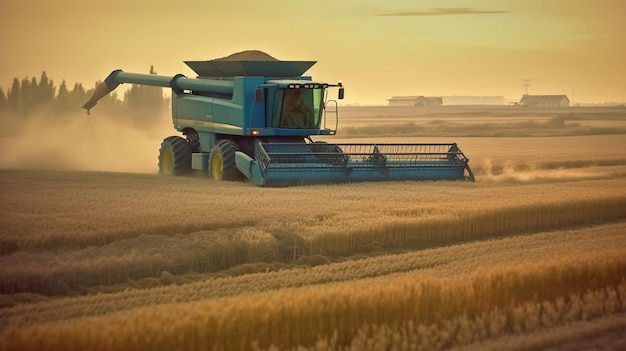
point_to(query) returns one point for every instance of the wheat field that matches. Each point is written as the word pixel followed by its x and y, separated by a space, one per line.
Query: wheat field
pixel 530 256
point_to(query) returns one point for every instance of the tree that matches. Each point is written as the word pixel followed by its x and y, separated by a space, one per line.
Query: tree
pixel 13 95
pixel 29 94
pixel 145 102
pixel 45 90
pixel 63 98
pixel 77 96
pixel 6 123
pixel 26 95
pixel 4 103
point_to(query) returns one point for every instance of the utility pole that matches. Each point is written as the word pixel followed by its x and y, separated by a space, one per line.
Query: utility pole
pixel 526 85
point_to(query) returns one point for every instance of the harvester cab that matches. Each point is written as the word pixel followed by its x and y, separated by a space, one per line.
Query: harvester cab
pixel 256 119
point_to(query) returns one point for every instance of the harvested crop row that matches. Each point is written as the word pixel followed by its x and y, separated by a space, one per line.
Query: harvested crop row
pixel 446 262
pixel 505 298
pixel 38 213
pixel 204 253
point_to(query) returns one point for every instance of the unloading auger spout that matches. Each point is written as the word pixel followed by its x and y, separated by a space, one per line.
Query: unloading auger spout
pixel 178 83
pixel 261 119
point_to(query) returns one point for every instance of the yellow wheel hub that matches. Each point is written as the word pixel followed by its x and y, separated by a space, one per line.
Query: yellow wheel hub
pixel 216 167
pixel 167 162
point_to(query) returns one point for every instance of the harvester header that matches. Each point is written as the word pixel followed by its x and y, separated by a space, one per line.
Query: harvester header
pixel 256 119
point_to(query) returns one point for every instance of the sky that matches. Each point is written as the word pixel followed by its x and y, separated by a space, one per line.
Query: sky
pixel 377 49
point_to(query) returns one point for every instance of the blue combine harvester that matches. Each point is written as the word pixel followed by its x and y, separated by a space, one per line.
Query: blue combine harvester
pixel 255 119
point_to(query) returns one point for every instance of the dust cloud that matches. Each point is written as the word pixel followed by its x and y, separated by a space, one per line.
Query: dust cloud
pixel 510 173
pixel 84 143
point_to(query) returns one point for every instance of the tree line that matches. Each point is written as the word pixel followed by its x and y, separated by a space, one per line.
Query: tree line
pixel 30 96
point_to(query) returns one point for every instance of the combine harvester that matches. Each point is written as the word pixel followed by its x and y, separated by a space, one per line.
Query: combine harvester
pixel 255 119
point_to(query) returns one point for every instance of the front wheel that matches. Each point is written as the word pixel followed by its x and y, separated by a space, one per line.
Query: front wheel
pixel 222 161
pixel 174 156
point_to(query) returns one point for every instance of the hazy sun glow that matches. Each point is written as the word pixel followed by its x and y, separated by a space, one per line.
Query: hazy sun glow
pixel 378 50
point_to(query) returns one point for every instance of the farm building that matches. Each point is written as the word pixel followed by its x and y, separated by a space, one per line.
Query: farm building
pixel 545 100
pixel 415 101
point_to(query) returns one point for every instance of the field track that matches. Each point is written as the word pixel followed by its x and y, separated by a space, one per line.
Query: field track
pixel 530 256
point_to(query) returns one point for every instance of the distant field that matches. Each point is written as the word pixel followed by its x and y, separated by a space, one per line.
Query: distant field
pixel 480 121
pixel 530 256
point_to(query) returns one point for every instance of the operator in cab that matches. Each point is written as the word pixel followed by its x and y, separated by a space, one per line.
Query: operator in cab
pixel 296 114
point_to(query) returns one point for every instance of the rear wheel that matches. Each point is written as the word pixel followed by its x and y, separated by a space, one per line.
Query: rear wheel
pixel 222 161
pixel 174 156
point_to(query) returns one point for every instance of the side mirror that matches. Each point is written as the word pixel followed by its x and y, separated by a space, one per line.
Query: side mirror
pixel 340 97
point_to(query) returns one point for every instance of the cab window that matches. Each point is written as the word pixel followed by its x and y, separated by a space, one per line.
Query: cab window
pixel 298 108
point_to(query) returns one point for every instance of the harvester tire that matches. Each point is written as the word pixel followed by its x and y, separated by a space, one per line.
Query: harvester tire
pixel 174 156
pixel 222 161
